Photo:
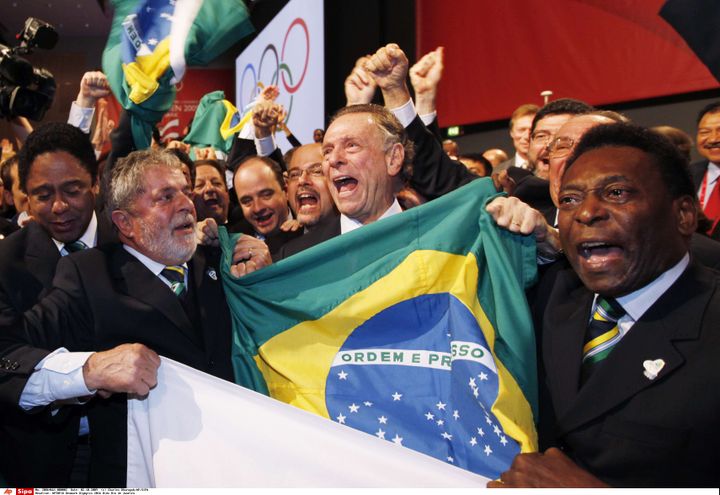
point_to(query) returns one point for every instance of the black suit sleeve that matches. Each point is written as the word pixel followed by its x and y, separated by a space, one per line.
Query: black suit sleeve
pixel 434 172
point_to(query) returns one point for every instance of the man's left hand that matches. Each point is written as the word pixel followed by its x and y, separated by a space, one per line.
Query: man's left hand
pixel 250 254
pixel 552 469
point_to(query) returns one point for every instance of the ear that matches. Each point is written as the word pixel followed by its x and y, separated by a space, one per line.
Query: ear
pixel 124 222
pixel 7 197
pixel 396 158
pixel 686 211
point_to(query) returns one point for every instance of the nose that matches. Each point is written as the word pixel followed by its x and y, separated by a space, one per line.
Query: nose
pixel 59 205
pixel 591 210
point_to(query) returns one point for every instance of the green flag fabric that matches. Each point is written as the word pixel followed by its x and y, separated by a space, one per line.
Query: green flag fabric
pixel 152 42
pixel 414 329
pixel 215 123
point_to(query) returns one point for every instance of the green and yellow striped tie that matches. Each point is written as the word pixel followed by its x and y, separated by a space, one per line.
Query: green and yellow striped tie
pixel 176 275
pixel 602 334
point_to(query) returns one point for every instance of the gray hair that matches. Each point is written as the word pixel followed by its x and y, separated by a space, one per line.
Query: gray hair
pixel 127 177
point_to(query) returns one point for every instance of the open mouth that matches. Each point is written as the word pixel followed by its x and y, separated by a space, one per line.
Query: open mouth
pixel 186 227
pixel 264 219
pixel 345 184
pixel 598 252
pixel 306 200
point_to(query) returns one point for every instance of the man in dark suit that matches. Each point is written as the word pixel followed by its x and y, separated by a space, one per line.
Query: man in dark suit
pixel 58 171
pixel 630 334
pixel 706 173
pixel 153 288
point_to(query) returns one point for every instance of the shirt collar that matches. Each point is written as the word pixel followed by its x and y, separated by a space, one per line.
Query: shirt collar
pixel 713 172
pixel 89 238
pixel 150 264
pixel 637 303
pixel 520 161
pixel 348 224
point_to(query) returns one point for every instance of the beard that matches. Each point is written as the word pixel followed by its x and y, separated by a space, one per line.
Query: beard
pixel 163 246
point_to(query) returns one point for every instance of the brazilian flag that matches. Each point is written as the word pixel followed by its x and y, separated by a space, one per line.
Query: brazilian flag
pixel 414 329
pixel 215 123
pixel 152 42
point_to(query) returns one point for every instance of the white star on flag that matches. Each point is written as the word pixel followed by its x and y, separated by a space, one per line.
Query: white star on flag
pixel 429 416
pixel 446 435
pixel 488 420
pixel 353 408
pixel 472 382
pixel 503 440
pixel 382 420
pixel 482 376
pixel 341 419
pixel 481 432
pixel 397 439
pixel 368 403
pixel 456 414
pixel 487 450
pixel 450 459
pixel 496 430
pixel 473 442
pixel 440 406
pixel 342 375
pixel 396 396
pixel 440 422
pixel 380 434
pixel 152 42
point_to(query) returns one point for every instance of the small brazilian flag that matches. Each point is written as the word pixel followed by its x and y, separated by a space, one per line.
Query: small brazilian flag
pixel 152 42
pixel 215 123
pixel 414 329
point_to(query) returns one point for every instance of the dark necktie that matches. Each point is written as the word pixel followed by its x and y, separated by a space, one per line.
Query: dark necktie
pixel 602 334
pixel 72 247
pixel 176 275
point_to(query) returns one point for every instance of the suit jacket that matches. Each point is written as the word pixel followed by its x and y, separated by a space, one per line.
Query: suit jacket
pixel 38 449
pixel 434 172
pixel 627 429
pixel 105 297
pixel 327 230
pixel 697 172
pixel 536 192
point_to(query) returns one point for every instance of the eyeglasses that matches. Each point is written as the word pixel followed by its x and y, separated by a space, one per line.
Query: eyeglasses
pixel 560 147
pixel 542 137
pixel 313 171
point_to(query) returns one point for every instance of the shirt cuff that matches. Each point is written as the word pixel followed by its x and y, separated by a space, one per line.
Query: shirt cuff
pixel 405 113
pixel 428 118
pixel 265 146
pixel 81 117
pixel 57 377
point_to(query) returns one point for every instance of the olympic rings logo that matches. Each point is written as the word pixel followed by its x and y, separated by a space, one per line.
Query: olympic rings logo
pixel 253 81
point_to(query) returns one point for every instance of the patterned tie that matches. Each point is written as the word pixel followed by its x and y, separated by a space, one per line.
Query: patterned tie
pixel 72 247
pixel 602 334
pixel 176 275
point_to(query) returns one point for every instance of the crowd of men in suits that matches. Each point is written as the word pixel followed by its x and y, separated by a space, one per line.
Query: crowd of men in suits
pixel 115 269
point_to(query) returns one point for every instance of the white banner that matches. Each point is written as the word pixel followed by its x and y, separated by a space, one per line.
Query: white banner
pixel 195 430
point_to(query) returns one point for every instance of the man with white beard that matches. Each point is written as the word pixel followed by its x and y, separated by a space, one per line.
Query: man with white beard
pixel 115 308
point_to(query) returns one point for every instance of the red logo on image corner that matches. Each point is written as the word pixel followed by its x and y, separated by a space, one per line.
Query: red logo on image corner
pixel 25 491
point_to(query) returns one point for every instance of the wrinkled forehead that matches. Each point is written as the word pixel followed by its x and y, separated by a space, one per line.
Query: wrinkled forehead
pixel 352 125
pixel 306 156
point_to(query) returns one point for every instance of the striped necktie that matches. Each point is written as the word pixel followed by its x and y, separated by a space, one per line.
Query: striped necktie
pixel 72 247
pixel 176 275
pixel 602 334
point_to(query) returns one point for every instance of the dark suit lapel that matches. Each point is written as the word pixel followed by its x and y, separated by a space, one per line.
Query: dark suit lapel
pixel 143 285
pixel 675 316
pixel 565 331
pixel 206 276
pixel 41 255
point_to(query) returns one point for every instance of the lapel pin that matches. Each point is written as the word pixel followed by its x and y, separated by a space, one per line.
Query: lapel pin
pixel 652 368
pixel 212 274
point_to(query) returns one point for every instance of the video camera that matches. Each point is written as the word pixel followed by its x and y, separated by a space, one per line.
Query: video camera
pixel 27 91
